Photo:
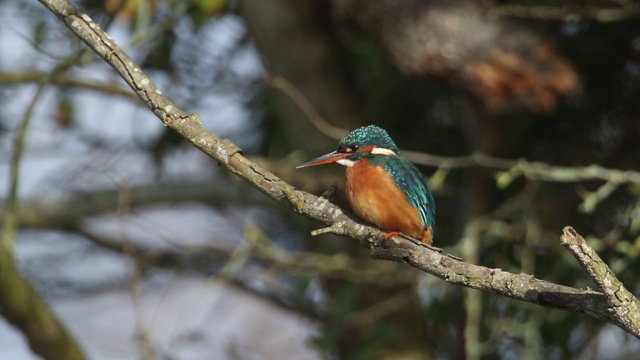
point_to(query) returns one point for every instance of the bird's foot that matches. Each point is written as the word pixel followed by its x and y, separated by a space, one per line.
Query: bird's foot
pixel 391 234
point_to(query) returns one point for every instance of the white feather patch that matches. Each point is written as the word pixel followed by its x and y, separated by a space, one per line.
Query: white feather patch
pixel 346 162
pixel 383 151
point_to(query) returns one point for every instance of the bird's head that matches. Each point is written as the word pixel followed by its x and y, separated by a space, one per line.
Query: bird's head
pixel 364 142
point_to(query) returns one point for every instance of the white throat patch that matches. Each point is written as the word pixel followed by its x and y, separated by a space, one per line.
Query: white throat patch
pixel 346 162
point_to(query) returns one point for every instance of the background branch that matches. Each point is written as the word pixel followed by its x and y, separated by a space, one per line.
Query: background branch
pixel 63 79
pixel 20 304
pixel 513 169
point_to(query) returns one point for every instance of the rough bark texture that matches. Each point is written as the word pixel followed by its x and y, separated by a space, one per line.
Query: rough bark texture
pixel 622 307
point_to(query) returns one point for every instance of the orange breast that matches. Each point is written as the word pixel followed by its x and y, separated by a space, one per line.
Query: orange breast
pixel 374 197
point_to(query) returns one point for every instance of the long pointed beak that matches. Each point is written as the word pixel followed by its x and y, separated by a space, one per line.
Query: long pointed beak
pixel 325 159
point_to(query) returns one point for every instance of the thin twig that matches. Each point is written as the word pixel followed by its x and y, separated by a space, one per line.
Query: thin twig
pixel 66 80
pixel 379 310
pixel 11 215
pixel 305 105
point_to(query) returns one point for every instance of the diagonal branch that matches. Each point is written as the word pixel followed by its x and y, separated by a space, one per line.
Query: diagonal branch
pixel 523 287
pixel 622 305
pixel 517 286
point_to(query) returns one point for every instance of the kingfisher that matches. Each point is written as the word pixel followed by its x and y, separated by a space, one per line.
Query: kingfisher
pixel 382 187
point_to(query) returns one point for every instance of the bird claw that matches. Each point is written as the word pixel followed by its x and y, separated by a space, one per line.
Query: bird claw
pixel 390 234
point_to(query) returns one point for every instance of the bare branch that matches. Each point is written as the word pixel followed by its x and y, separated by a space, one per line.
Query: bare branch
pixel 523 287
pixel 307 108
pixel 62 211
pixel 64 80
pixel 622 306
pixel 11 215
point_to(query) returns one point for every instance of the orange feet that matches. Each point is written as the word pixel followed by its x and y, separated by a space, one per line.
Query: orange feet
pixel 391 234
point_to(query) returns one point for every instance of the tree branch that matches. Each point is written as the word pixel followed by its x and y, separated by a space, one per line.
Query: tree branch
pixel 56 212
pixel 20 304
pixel 622 307
pixel 517 286
pixel 63 79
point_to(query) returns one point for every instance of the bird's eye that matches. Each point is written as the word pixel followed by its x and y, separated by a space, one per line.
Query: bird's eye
pixel 348 149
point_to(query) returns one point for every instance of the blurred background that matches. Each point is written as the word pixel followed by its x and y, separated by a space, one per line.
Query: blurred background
pixel 145 248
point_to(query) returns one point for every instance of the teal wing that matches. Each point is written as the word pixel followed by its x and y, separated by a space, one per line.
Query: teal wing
pixel 411 181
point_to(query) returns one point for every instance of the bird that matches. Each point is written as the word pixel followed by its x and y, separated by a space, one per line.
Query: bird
pixel 382 187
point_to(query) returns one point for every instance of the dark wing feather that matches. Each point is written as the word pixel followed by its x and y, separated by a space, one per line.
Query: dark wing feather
pixel 411 181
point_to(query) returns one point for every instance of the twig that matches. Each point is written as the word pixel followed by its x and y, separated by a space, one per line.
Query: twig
pixel 11 215
pixel 591 200
pixel 65 80
pixel 307 108
pixel 379 310
pixel 54 211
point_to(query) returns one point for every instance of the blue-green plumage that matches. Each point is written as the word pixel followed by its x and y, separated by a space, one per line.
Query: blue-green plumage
pixel 407 177
pixel 369 135
pixel 377 177
pixel 410 181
